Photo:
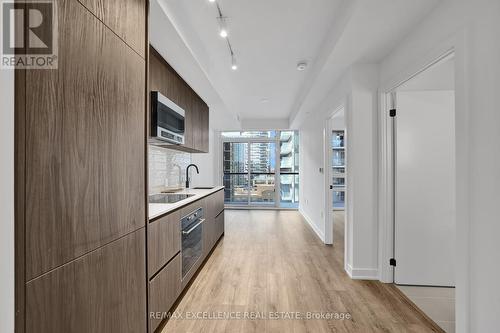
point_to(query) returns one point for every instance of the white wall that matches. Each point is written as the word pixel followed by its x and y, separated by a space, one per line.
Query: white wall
pixel 7 201
pixel 311 145
pixel 357 90
pixel 338 121
pixel 311 194
pixel 361 157
pixel 472 27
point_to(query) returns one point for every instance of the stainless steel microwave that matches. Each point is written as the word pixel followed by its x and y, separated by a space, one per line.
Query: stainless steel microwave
pixel 167 119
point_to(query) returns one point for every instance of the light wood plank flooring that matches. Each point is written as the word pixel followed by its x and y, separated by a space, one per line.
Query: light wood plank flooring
pixel 271 261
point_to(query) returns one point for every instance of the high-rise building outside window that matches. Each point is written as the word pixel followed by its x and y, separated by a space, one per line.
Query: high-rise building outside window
pixel 261 168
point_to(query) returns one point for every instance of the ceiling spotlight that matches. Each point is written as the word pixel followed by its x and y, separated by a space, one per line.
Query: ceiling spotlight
pixel 234 66
pixel 223 28
pixel 211 0
pixel 301 66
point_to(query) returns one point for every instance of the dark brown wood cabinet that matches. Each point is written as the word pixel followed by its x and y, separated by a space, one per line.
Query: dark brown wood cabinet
pixel 164 241
pixel 103 291
pixel 164 78
pixel 80 171
pixel 164 289
pixel 219 226
pixel 85 177
pixel 204 129
pixel 207 226
pixel 218 202
pixel 213 228
pixel 166 284
pixel 125 18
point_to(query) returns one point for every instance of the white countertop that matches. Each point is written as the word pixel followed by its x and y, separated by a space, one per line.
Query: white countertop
pixel 157 209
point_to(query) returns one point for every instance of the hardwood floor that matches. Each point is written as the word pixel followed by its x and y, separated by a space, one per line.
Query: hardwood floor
pixel 271 261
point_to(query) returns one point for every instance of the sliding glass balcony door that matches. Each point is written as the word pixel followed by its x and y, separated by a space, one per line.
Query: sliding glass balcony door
pixel 260 169
pixel 262 157
pixel 236 177
pixel 249 173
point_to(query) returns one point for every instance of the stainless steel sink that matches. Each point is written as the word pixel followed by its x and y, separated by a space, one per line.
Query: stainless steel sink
pixel 203 188
pixel 168 197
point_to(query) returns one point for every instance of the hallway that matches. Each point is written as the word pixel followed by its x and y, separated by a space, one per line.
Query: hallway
pixel 270 262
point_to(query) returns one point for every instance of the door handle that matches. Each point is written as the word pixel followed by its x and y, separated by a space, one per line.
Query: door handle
pixel 331 187
pixel 190 230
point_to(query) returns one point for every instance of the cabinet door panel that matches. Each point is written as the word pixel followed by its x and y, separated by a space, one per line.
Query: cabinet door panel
pixel 101 292
pixel 164 241
pixel 126 18
pixel 204 124
pixel 163 291
pixel 189 135
pixel 218 198
pixel 197 129
pixel 84 144
pixel 208 227
pixel 219 226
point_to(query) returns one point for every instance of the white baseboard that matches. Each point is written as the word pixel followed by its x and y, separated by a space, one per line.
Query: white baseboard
pixel 361 273
pixel 313 226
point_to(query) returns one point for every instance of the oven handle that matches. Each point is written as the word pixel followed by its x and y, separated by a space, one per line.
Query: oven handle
pixel 196 226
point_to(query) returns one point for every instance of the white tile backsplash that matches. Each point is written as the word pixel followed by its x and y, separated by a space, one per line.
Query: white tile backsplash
pixel 167 168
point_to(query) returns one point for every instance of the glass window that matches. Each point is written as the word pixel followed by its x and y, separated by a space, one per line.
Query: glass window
pixel 289 169
pixel 235 167
pixel 338 168
pixel 261 168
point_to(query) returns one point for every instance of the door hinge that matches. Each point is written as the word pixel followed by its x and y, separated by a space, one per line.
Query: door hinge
pixel 392 262
pixel 392 113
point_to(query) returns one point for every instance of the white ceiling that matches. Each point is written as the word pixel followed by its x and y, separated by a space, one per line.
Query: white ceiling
pixel 269 39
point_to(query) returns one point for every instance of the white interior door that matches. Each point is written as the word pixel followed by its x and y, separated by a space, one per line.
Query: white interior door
pixel 425 188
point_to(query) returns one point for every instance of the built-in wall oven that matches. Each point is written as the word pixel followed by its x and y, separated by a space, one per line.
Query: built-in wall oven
pixel 167 120
pixel 192 239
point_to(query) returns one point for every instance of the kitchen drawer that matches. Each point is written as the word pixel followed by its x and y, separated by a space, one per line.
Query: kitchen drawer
pixel 164 241
pixel 218 200
pixel 219 226
pixel 164 289
pixel 194 206
pixel 208 235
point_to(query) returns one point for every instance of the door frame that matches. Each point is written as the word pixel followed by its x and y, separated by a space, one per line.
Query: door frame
pixel 327 167
pixel 387 159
